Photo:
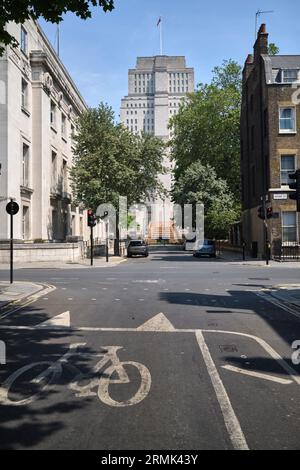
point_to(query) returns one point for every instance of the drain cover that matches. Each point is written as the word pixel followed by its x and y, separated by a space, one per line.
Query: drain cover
pixel 228 348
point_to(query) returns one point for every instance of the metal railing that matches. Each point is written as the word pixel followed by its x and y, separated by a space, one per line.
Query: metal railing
pixel 287 251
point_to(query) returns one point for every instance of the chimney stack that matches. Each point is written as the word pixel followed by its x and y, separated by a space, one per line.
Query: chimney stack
pixel 261 45
pixel 248 67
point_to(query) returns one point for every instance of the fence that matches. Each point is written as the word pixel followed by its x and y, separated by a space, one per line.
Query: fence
pixel 288 251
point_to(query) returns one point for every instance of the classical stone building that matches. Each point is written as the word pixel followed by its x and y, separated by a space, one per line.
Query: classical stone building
pixel 156 88
pixel 270 146
pixel 39 104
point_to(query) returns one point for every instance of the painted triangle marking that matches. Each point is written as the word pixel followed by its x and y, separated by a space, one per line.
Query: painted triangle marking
pixel 158 323
pixel 63 319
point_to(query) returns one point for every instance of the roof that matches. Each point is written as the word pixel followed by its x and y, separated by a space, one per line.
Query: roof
pixel 285 61
pixel 278 62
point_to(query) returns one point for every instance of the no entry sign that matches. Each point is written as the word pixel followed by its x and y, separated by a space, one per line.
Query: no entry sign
pixel 12 208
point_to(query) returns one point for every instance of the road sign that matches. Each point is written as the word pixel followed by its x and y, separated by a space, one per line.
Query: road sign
pixel 12 208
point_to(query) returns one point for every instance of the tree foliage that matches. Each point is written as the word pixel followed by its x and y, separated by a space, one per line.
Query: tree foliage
pixel 206 129
pixel 273 49
pixel 53 11
pixel 200 184
pixel 109 161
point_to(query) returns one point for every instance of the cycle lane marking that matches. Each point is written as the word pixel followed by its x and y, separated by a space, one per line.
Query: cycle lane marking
pixel 230 419
pixel 159 323
pixel 258 375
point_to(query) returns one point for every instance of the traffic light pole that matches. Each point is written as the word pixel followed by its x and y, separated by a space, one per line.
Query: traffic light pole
pixel 92 247
pixel 106 230
pixel 11 246
pixel 266 235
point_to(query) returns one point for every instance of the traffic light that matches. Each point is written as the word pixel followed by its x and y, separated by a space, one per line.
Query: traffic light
pixel 269 212
pixel 92 219
pixel 295 186
pixel 261 213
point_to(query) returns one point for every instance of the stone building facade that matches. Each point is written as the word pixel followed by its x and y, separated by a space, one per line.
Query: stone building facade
pixel 39 104
pixel 156 88
pixel 270 146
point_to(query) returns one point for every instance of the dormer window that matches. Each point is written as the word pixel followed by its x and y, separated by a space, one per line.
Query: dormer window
pixel 290 76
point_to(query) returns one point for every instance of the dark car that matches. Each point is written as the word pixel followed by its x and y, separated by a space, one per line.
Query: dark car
pixel 137 248
pixel 207 248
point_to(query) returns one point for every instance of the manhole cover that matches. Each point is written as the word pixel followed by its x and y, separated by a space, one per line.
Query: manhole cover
pixel 228 348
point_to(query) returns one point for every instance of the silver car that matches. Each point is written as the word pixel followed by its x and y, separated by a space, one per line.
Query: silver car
pixel 137 247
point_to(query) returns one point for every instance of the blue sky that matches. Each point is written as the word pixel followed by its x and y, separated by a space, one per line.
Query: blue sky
pixel 98 52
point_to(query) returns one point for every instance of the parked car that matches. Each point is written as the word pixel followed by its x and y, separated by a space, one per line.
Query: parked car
pixel 137 247
pixel 207 248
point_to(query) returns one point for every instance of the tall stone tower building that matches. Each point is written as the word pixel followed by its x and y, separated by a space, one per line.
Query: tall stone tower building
pixel 155 89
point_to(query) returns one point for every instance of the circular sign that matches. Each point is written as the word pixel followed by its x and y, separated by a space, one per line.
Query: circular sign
pixel 12 208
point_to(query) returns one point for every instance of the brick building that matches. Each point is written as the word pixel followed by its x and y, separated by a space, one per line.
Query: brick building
pixel 270 146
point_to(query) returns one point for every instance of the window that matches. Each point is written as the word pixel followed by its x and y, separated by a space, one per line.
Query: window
pixel 25 223
pixel 289 226
pixel 64 176
pixel 63 125
pixel 24 97
pixel 23 41
pixel 25 166
pixel 52 114
pixel 53 169
pixel 287 120
pixel 72 134
pixel 287 167
pixel 290 76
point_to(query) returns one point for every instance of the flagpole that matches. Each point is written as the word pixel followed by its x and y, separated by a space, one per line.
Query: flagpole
pixel 161 38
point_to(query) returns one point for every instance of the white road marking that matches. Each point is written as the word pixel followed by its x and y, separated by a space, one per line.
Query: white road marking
pixel 292 373
pixel 59 320
pixel 231 422
pixel 70 298
pixel 148 281
pixel 276 302
pixel 258 375
pixel 157 323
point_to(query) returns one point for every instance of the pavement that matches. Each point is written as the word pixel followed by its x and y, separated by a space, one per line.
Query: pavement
pixel 84 263
pixel 11 294
pixel 168 352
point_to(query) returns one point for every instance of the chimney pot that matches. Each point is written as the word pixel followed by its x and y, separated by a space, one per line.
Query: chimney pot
pixel 262 29
pixel 249 59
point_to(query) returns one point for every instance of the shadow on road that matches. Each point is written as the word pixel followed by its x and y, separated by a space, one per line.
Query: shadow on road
pixel 29 425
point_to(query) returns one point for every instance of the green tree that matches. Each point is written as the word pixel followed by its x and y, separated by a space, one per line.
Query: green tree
pixel 273 49
pixel 199 184
pixel 207 127
pixel 109 161
pixel 53 11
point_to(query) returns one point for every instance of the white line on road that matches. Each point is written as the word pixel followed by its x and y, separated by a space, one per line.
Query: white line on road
pixel 231 422
pixel 259 375
pixel 278 303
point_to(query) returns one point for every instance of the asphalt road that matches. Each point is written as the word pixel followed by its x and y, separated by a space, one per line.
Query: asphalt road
pixel 168 352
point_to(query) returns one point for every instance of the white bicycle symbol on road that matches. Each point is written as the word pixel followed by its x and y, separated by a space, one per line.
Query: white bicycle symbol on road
pixel 54 370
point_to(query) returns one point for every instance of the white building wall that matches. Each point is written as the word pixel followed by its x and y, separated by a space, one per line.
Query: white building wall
pixel 47 81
